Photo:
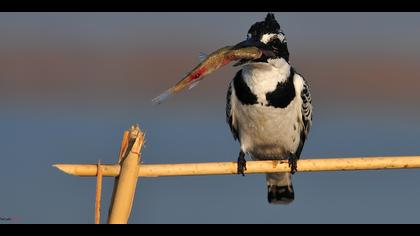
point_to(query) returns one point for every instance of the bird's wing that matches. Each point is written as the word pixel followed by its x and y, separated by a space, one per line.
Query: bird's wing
pixel 229 112
pixel 306 114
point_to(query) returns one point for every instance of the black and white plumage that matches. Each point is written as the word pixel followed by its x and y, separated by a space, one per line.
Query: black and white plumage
pixel 269 108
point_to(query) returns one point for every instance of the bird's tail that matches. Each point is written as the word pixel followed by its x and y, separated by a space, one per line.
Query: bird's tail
pixel 280 188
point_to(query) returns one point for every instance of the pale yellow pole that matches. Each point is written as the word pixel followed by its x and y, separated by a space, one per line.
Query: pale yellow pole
pixel 98 194
pixel 253 167
pixel 125 186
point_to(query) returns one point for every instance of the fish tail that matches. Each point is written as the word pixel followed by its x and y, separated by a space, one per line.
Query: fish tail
pixel 163 96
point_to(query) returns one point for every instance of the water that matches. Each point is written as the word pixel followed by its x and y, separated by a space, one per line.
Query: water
pixel 35 192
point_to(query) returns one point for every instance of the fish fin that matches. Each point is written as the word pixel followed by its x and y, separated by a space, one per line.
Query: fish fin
pixel 193 84
pixel 202 56
pixel 159 99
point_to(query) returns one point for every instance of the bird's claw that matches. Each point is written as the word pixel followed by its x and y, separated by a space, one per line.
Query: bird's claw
pixel 241 167
pixel 293 163
pixel 241 164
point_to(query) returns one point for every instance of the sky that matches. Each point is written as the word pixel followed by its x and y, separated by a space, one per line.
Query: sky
pixel 71 83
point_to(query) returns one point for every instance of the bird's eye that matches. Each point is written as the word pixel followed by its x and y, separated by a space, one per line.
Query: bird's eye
pixel 248 36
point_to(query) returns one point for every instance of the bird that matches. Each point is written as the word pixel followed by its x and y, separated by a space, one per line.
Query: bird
pixel 269 107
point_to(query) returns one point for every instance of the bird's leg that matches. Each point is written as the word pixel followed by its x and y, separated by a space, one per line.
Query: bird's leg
pixel 293 162
pixel 241 163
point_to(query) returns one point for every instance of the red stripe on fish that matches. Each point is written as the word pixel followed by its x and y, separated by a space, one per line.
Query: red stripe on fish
pixel 197 74
pixel 228 59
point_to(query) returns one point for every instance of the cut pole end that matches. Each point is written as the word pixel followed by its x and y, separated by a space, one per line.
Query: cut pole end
pixel 65 168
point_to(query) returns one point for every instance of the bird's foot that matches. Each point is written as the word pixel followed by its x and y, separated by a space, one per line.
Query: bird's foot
pixel 293 163
pixel 241 163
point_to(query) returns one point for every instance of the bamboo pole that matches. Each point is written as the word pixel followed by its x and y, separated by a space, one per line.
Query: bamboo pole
pixel 128 169
pixel 122 152
pixel 125 184
pixel 253 167
pixel 98 194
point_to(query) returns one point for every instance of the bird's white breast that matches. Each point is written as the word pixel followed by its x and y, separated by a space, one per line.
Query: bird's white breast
pixel 267 132
pixel 264 77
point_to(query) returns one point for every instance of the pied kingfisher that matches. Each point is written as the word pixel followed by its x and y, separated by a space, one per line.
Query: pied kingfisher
pixel 269 107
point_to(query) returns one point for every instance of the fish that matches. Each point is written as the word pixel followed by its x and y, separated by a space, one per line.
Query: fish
pixel 209 64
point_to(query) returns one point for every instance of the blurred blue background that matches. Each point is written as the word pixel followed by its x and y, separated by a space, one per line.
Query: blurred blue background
pixel 71 83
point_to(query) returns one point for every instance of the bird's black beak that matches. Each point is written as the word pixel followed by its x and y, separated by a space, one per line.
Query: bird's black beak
pixel 249 43
pixel 253 43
